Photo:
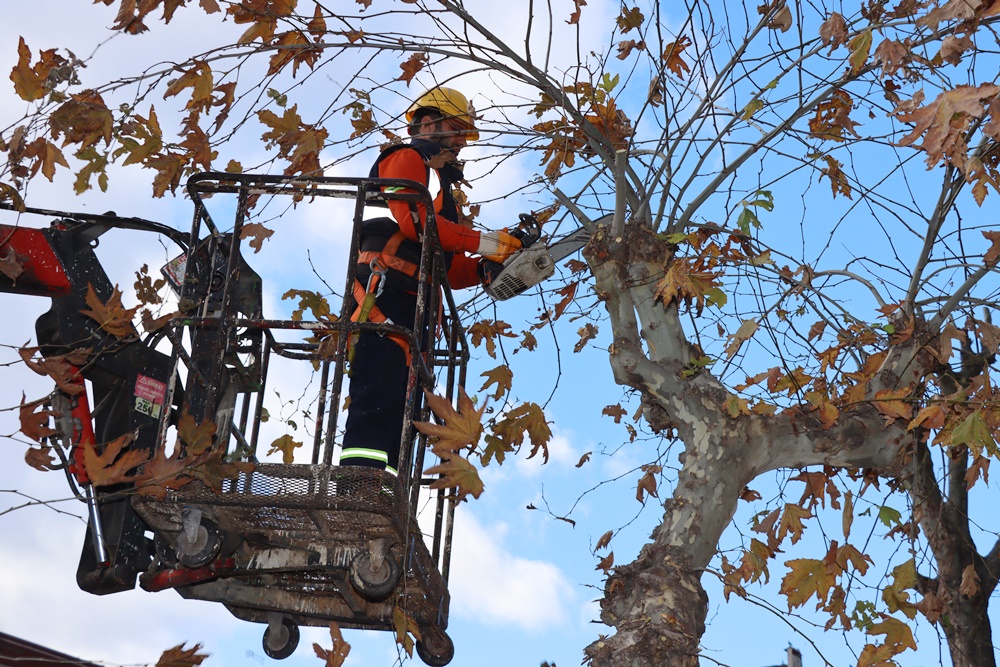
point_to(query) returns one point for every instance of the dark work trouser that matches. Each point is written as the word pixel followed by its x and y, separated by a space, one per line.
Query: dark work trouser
pixel 374 427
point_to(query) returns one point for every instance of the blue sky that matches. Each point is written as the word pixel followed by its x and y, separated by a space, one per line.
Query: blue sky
pixel 523 583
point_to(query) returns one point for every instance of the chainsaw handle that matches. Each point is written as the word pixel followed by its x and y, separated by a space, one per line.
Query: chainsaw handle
pixel 528 230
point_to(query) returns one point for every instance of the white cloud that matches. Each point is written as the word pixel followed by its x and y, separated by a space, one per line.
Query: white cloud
pixel 492 584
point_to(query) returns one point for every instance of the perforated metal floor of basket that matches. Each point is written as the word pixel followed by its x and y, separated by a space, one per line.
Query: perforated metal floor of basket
pixel 300 526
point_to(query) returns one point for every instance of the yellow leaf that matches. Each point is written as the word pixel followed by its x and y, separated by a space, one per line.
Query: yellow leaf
pixel 897 634
pixel 29 84
pixel 199 79
pixel 286 445
pixel 744 333
pixel 406 629
pixel 860 47
pixel 196 437
pixel 806 577
pixel 791 522
pixel 457 472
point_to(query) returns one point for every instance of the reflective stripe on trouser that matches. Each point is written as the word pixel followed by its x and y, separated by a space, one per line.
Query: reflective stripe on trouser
pixel 379 375
pixel 359 456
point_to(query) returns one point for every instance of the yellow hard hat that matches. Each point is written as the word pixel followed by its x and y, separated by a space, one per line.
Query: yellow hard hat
pixel 449 102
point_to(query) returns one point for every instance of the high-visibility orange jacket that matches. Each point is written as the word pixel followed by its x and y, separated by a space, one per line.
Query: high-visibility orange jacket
pixel 408 163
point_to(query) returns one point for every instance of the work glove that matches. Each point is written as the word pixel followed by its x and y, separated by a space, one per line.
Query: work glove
pixel 497 246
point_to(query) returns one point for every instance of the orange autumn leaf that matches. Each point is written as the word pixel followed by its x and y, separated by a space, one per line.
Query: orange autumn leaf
pixel 178 656
pixel 672 56
pixel 112 316
pixel 337 654
pixel 163 473
pixel 891 403
pixel 112 465
pixel 460 428
pixel 411 66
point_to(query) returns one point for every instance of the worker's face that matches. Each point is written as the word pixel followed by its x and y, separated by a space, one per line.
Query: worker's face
pixel 449 132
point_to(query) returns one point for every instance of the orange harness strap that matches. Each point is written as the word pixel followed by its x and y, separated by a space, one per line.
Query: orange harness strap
pixel 366 310
pixel 387 256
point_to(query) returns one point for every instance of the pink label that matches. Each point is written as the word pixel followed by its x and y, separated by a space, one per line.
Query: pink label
pixel 150 389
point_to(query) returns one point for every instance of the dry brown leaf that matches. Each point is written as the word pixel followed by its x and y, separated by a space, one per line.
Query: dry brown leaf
pixel 59 368
pixel 411 66
pixel 606 563
pixel 257 233
pixel 647 483
pixel 163 473
pixel 833 31
pixel 196 437
pixel 40 458
pixel 970 581
pixel 942 124
pixel 980 467
pixel 604 540
pixel 34 424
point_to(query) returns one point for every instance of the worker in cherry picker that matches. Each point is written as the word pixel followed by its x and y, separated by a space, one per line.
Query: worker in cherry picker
pixel 441 122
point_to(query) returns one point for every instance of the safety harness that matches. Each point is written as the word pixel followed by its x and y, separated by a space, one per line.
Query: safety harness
pixel 380 261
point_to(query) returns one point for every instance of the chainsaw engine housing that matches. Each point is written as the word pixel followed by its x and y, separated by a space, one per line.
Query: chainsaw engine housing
pixel 525 269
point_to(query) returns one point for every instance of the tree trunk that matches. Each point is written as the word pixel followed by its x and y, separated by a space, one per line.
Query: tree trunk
pixel 657 603
pixel 964 614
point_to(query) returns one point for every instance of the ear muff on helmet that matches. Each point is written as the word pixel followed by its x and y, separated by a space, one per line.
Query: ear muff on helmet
pixel 452 104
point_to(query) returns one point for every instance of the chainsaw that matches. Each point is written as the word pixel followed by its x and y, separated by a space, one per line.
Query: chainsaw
pixel 535 262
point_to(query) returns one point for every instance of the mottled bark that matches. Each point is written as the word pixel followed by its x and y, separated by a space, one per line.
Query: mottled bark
pixel 945 523
pixel 657 604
